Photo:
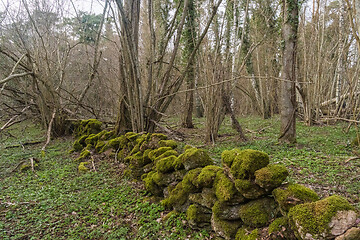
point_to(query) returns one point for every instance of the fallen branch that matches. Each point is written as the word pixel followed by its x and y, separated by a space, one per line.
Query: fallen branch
pixel 24 144
pixel 171 133
pixel 342 119
pixel 93 164
pixel 49 131
pixel 12 120
pixel 352 158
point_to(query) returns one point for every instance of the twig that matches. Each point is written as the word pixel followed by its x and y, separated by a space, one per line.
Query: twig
pixel 17 166
pixel 24 144
pixel 93 164
pixel 168 131
pixel 352 158
pixel 11 120
pixel 49 131
pixel 32 164
pixel 342 119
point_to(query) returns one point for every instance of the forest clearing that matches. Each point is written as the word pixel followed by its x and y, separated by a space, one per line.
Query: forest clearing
pixel 55 201
pixel 180 119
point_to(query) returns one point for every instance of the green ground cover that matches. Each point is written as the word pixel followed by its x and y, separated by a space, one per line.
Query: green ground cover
pixel 56 202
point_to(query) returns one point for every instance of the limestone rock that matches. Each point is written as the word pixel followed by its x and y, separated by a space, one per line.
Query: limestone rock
pixel 351 234
pixel 206 198
pixel 259 213
pixel 195 158
pixel 198 216
pixel 271 177
pixel 248 162
pixel 226 212
pixel 322 219
pixel 249 189
pixel 224 228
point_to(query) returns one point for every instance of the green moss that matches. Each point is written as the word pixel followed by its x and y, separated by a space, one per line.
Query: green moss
pixel 99 145
pixel 206 177
pixel 190 177
pixel 228 156
pixel 168 143
pixel 314 218
pixel 157 152
pixel 82 168
pixel 84 154
pixel 258 213
pixel 271 177
pixel 24 167
pixel 179 195
pixel 194 158
pixel 166 164
pixel 224 228
pixel 119 142
pixel 108 135
pixel 150 184
pixel 247 162
pixel 196 214
pixel 131 136
pixel 93 138
pixel 166 154
pixel 292 195
pixel 224 187
pixel 206 198
pixel 244 234
pixel 77 146
pixel 87 127
pixel 186 147
pixel 278 224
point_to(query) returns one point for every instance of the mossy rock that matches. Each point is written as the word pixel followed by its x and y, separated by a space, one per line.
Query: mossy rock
pixel 198 216
pixel 157 152
pixel 259 213
pixel 323 219
pixel 108 135
pixel 166 164
pixel 99 145
pixel 280 229
pixel 77 146
pixel 186 147
pixel 83 155
pixel 206 198
pixel 82 168
pixel 224 187
pixel 179 197
pixel 271 176
pixel 226 212
pixel 168 143
pixel 150 184
pixel 118 143
pixel 93 138
pixel 195 158
pixel 153 141
pixel 293 194
pixel 228 156
pixel 131 136
pixel 166 179
pixel 167 154
pixel 87 127
pixel 249 189
pixel 245 234
pixel 223 228
pixel 247 163
pixel 207 176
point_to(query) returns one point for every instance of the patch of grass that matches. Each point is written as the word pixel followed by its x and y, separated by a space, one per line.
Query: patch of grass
pixel 56 202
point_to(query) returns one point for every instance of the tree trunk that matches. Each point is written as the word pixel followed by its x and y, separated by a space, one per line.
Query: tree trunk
pixel 288 94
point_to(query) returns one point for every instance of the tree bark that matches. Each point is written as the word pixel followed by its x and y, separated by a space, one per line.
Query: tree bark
pixel 288 93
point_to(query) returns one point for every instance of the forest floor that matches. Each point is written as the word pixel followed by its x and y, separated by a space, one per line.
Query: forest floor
pixel 55 202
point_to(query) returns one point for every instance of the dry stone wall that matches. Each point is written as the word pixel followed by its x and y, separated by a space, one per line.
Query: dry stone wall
pixel 244 198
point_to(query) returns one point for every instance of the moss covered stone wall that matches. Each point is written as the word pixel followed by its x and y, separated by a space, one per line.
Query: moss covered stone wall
pixel 244 198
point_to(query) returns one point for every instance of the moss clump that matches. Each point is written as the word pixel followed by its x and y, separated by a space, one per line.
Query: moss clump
pixel 186 147
pixel 224 187
pixel 99 145
pixel 228 156
pixel 84 154
pixel 119 142
pixel 168 143
pixel 249 189
pixel 87 127
pixel 314 218
pixel 131 136
pixel 247 162
pixel 93 138
pixel 271 177
pixel 206 198
pixel 197 215
pixel 244 234
pixel 194 158
pixel 157 152
pixel 293 195
pixel 225 211
pixel 224 228
pixel 82 168
pixel 206 177
pixel 166 154
pixel 77 146
pixel 150 184
pixel 178 196
pixel 278 224
pixel 258 213
pixel 166 164
pixel 24 167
